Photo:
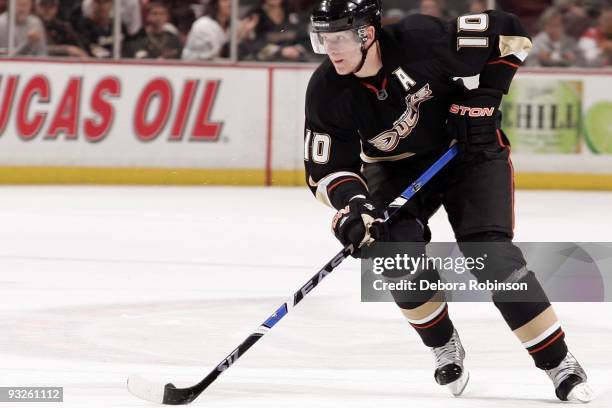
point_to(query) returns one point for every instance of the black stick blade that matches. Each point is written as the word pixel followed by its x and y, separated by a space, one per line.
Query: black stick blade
pixel 161 394
pixel 179 396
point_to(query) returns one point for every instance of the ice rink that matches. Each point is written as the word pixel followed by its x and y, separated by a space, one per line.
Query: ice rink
pixel 97 283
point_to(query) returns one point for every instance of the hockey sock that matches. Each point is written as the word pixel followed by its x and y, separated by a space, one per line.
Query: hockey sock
pixel 436 328
pixel 542 335
pixel 534 323
pixel 426 310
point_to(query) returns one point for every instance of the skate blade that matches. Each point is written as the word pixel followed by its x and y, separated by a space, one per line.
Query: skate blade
pixel 458 386
pixel 581 393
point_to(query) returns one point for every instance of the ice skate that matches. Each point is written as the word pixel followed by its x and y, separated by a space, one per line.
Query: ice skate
pixel 449 365
pixel 570 381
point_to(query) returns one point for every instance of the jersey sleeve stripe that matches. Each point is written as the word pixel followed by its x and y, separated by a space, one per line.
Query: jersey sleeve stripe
pixel 323 193
pixel 333 186
pixel 501 61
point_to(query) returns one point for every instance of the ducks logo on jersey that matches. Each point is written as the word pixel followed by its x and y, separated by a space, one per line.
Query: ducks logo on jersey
pixel 389 139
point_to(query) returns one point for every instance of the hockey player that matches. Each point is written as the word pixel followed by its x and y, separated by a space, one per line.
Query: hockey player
pixel 379 110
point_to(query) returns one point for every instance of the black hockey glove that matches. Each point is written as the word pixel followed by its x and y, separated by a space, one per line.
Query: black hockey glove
pixel 359 223
pixel 474 120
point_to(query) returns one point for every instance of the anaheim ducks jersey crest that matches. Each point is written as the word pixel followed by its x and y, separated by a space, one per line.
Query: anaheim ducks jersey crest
pixel 388 140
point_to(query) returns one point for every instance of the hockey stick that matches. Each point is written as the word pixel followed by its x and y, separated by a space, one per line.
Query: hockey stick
pixel 171 395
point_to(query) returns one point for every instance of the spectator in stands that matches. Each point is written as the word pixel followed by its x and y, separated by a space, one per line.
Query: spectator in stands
pixel 551 47
pixel 183 18
pixel 529 11
pixel 68 9
pixel 272 33
pixel 578 16
pixel 62 40
pixel 131 14
pixel 408 6
pixel 303 6
pixel 478 6
pixel 96 29
pixel 435 8
pixel 596 43
pixel 393 16
pixel 29 31
pixel 155 40
pixel 431 8
pixel 209 35
pixel 197 6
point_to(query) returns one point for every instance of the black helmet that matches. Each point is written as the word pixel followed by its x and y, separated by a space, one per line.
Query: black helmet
pixel 340 15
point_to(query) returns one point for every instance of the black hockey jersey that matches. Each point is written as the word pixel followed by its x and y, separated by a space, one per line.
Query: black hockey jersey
pixel 402 111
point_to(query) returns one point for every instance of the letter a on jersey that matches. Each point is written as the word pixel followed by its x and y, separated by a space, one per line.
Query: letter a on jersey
pixel 404 78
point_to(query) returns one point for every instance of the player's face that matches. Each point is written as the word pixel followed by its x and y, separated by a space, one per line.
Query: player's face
pixel 343 49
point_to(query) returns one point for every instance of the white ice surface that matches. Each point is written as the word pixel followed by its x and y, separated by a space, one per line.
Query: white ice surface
pixel 98 283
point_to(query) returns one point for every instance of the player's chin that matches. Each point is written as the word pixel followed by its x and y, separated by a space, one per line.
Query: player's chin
pixel 342 67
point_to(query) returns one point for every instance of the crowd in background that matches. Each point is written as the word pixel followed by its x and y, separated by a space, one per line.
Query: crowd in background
pixel 565 33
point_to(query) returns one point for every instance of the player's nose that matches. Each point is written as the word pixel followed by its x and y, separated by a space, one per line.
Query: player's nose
pixel 334 54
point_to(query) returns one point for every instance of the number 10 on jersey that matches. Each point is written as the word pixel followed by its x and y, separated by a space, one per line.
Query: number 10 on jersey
pixel 321 146
pixel 476 23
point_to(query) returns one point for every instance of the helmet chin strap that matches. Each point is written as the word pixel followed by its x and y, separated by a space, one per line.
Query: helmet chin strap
pixel 364 55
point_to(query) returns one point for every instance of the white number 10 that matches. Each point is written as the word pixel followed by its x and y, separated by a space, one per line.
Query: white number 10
pixel 321 146
pixel 474 23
